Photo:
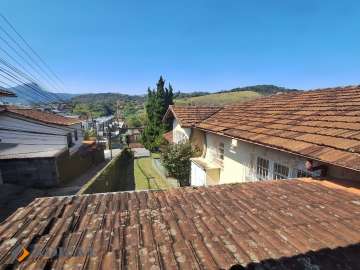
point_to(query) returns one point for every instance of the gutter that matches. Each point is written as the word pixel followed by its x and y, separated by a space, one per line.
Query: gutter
pixel 278 149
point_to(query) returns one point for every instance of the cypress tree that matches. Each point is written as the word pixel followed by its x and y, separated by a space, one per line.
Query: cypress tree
pixel 156 106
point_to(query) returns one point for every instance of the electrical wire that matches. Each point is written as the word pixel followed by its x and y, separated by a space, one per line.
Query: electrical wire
pixel 48 75
pixel 26 77
pixel 29 56
pixel 32 50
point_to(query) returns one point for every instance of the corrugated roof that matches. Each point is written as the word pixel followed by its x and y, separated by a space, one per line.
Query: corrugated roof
pixel 189 116
pixel 321 124
pixel 284 224
pixel 44 117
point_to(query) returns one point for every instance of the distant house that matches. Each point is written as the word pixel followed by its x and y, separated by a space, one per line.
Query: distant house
pixel 102 123
pixel 34 144
pixel 133 135
pixel 291 135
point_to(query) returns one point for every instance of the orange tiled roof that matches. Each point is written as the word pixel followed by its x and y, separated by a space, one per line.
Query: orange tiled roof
pixel 136 145
pixel 44 117
pixel 189 116
pixel 168 136
pixel 285 224
pixel 321 124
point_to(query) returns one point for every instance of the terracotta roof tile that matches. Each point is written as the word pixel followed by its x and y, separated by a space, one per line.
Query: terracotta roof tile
pixel 189 116
pixel 44 117
pixel 168 136
pixel 286 224
pixel 327 118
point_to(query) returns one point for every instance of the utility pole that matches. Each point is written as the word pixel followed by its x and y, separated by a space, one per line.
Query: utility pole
pixel 109 138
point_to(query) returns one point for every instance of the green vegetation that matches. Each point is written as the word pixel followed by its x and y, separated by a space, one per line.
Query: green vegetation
pixel 132 106
pixel 219 99
pixel 134 115
pixel 156 105
pixel 232 96
pixel 176 160
pixel 96 105
pixel 146 176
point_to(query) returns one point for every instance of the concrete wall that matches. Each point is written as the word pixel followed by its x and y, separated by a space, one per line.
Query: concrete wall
pixel 118 175
pixel 49 172
pixel 36 172
pixel 180 133
pixel 71 166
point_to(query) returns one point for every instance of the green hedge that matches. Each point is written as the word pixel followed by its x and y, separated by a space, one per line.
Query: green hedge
pixel 118 175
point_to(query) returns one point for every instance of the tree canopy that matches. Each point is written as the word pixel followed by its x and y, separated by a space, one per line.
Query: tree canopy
pixel 158 100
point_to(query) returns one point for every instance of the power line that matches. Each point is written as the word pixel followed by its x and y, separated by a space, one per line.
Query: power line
pixel 33 51
pixel 47 75
pixel 23 59
pixel 22 84
pixel 26 77
pixel 28 55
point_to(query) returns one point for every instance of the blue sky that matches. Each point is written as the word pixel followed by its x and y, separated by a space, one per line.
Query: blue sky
pixel 124 46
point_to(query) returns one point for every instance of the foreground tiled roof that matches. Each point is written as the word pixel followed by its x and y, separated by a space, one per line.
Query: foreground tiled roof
pixel 287 224
pixel 321 124
pixel 189 116
pixel 44 117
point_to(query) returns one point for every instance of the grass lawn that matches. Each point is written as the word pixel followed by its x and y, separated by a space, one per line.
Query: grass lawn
pixel 146 177
pixel 219 99
pixel 155 154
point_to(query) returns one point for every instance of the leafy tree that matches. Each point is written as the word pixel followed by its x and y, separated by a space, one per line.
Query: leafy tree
pixel 176 159
pixel 157 103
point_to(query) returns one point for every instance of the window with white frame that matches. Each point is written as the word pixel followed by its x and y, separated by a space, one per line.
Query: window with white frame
pixel 280 171
pixel 262 168
pixel 220 152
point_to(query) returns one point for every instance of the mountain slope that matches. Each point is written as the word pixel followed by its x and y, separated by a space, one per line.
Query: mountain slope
pixel 33 93
pixel 234 95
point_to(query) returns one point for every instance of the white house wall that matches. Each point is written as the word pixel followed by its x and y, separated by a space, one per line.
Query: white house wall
pixel 239 164
pixel 180 133
pixel 79 141
pixel 18 131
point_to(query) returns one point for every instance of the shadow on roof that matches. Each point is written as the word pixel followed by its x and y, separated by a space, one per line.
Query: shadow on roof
pixel 339 258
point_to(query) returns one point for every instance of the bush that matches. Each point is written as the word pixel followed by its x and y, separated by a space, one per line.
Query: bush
pixel 176 159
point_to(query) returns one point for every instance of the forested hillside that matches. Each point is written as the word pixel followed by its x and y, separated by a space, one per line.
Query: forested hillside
pixel 133 105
